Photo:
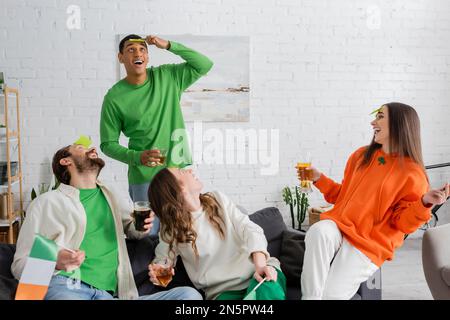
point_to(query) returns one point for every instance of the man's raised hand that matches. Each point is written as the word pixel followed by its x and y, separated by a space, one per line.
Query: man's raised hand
pixel 158 42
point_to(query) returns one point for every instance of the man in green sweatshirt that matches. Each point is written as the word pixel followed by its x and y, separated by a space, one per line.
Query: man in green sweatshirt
pixel 145 106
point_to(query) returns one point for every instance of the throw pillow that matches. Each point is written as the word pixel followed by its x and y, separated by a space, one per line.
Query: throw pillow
pixel 445 272
pixel 291 257
pixel 7 288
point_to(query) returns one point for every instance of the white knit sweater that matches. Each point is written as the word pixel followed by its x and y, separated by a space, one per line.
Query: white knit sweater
pixel 60 216
pixel 226 264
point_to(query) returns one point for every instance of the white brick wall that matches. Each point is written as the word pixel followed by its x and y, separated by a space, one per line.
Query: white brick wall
pixel 316 72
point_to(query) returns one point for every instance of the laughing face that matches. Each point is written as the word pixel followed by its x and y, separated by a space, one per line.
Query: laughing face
pixel 187 179
pixel 134 57
pixel 86 159
pixel 381 126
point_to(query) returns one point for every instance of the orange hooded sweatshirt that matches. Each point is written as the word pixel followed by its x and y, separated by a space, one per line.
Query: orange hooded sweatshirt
pixel 374 207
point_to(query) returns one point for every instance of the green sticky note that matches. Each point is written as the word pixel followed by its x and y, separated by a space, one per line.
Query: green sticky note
pixel 84 141
pixel 376 111
pixel 136 40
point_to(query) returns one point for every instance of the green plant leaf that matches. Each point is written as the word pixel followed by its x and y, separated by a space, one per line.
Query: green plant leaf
pixel 56 185
pixel 33 194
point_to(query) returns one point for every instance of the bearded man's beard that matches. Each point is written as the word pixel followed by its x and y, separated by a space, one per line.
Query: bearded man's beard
pixel 89 164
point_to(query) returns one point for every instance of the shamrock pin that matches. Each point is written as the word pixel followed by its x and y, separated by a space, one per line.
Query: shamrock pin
pixel 381 160
pixel 84 141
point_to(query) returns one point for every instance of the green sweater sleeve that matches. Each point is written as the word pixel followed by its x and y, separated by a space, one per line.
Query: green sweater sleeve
pixel 110 128
pixel 196 65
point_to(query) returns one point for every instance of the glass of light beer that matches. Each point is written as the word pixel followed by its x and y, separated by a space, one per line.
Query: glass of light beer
pixel 163 271
pixel 141 212
pixel 162 156
pixel 305 174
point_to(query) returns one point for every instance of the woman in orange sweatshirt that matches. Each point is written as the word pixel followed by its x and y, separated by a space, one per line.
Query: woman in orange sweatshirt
pixel 383 196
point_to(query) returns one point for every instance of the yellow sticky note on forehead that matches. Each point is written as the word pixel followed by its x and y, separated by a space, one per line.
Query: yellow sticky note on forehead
pixel 376 111
pixel 84 141
pixel 136 40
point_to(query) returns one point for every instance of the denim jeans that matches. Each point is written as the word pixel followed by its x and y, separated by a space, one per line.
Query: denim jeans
pixel 139 192
pixel 64 288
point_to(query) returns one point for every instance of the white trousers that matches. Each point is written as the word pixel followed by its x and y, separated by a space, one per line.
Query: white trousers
pixel 333 269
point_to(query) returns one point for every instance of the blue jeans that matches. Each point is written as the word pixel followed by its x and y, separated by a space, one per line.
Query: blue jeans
pixel 64 288
pixel 139 192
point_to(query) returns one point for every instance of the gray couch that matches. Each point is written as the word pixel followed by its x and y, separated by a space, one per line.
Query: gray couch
pixel 284 243
pixel 287 245
pixel 436 261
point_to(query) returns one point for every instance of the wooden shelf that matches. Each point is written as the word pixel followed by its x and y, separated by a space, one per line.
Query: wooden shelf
pixel 11 135
pixel 5 186
pixel 13 140
pixel 11 95
pixel 16 217
pixel 16 177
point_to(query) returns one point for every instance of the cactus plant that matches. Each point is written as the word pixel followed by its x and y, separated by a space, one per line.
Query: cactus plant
pixel 43 188
pixel 287 197
pixel 300 201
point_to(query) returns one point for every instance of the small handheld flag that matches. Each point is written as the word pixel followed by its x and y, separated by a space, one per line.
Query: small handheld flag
pixel 38 271
pixel 252 294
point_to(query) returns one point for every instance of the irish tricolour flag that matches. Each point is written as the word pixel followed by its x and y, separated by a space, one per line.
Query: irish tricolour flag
pixel 38 271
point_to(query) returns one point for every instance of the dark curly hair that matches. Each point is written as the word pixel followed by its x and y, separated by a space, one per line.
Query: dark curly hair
pixel 61 173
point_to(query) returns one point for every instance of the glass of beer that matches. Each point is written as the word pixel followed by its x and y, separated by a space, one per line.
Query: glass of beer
pixel 163 271
pixel 305 174
pixel 141 212
pixel 162 157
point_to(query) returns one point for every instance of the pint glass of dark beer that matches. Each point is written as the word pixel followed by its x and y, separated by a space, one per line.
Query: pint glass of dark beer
pixel 141 212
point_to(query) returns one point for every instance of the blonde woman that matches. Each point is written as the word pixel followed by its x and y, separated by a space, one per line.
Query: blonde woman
pixel 224 253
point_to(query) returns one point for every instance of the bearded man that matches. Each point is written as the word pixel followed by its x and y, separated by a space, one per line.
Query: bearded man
pixel 88 221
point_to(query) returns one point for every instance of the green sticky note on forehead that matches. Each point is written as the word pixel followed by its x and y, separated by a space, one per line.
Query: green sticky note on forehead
pixel 84 141
pixel 376 111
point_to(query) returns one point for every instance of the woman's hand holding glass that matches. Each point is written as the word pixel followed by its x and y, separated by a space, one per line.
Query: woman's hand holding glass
pixel 161 272
pixel 315 174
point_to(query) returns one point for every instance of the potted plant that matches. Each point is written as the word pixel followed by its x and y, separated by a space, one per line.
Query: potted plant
pixel 298 203
pixel 44 187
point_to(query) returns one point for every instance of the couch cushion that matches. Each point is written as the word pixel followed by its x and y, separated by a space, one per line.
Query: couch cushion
pixel 445 273
pixel 271 221
pixel 293 293
pixel 291 256
pixel 8 288
pixel 141 253
pixel 8 284
pixel 6 259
